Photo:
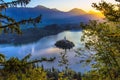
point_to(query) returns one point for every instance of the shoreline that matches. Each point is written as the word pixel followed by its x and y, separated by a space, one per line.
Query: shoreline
pixel 32 35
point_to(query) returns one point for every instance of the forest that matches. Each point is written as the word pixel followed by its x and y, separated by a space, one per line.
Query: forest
pixel 103 38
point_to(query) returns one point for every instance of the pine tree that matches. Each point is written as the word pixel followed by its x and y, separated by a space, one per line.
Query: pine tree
pixel 8 24
pixel 104 39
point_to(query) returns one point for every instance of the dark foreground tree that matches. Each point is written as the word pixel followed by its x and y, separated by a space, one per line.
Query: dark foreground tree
pixel 14 68
pixel 18 67
pixel 8 24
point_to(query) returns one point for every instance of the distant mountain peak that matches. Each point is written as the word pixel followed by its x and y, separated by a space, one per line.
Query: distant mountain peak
pixel 77 11
pixel 41 7
pixel 55 9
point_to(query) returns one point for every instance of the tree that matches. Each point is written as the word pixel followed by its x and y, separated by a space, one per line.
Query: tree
pixel 64 44
pixel 2 58
pixel 24 67
pixel 21 68
pixel 8 24
pixel 104 39
pixel 14 65
pixel 111 11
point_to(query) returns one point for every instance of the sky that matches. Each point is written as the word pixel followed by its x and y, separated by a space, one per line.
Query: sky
pixel 66 5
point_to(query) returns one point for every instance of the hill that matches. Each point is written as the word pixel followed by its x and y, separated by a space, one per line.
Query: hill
pixel 50 16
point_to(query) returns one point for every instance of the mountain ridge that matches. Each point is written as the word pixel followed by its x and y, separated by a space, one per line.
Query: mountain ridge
pixel 50 16
pixel 77 11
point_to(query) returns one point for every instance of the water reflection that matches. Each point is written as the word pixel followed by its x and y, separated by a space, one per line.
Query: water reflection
pixel 45 47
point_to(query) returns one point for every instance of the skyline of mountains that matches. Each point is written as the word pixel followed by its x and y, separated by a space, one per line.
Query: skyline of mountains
pixel 51 16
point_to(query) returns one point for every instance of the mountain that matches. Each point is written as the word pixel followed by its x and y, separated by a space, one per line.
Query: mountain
pixel 77 11
pixel 41 7
pixel 50 16
pixel 53 22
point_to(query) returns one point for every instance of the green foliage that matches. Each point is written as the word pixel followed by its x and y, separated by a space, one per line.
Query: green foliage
pixel 2 58
pixel 8 24
pixel 25 69
pixel 111 11
pixel 31 74
pixel 104 39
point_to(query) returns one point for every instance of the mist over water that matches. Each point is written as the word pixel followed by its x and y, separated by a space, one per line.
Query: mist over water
pixel 45 48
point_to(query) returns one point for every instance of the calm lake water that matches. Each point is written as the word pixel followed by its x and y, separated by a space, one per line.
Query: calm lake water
pixel 45 48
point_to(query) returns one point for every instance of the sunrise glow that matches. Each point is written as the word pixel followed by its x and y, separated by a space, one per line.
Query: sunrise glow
pixel 66 5
pixel 98 13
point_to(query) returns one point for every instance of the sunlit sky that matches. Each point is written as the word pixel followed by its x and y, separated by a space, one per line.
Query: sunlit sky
pixel 66 5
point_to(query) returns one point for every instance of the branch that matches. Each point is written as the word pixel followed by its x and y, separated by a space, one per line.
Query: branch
pixel 2 21
pixel 14 3
pixel 9 19
pixel 31 20
pixel 15 25
pixel 31 62
pixel 42 60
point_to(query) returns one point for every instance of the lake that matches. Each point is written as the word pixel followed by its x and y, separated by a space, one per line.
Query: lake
pixel 45 48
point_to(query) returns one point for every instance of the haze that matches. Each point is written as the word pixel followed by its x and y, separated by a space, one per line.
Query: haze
pixel 66 5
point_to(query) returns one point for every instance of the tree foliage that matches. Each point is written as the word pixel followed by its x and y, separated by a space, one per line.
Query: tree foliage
pixel 25 69
pixel 8 24
pixel 111 11
pixel 104 39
